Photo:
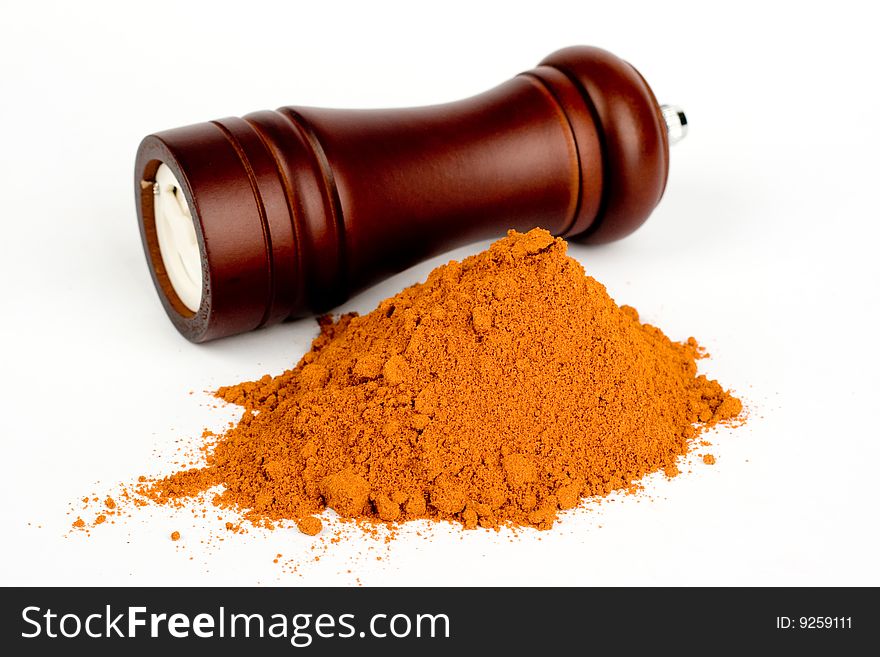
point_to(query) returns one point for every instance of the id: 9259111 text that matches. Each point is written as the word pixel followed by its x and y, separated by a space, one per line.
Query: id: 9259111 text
pixel 814 622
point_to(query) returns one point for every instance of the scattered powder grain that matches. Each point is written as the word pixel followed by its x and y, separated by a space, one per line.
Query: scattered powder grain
pixel 506 387
pixel 309 525
pixel 708 459
pixel 175 536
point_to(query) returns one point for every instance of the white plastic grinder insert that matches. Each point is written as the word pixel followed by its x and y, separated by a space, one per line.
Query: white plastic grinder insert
pixel 176 234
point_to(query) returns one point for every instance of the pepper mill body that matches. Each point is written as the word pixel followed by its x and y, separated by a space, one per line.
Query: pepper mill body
pixel 291 211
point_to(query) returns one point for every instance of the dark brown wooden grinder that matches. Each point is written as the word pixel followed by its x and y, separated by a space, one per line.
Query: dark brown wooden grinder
pixel 250 221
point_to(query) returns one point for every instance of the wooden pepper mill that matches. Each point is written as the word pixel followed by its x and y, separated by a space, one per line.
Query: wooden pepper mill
pixel 249 221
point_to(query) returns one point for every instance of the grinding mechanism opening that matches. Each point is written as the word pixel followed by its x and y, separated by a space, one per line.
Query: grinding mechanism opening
pixel 176 234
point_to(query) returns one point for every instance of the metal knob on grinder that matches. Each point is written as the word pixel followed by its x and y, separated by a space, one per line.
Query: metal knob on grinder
pixel 250 221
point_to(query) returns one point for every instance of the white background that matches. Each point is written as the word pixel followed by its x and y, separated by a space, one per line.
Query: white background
pixel 765 248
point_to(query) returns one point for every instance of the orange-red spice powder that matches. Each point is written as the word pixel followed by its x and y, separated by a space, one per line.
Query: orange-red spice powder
pixel 504 388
